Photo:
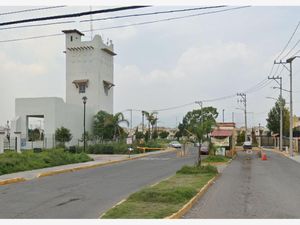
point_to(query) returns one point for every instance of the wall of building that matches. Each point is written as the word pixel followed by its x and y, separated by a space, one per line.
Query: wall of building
pixel 88 60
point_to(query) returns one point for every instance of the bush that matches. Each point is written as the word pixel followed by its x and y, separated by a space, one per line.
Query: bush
pixel 216 158
pixel 175 195
pixel 113 148
pixel 11 162
pixel 197 170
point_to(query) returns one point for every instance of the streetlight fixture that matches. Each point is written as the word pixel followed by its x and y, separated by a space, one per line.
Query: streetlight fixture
pixel 84 99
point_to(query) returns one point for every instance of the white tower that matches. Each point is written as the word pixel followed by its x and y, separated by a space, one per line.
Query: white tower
pixel 89 71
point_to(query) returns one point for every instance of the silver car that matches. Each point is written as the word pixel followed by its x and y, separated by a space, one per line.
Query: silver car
pixel 175 144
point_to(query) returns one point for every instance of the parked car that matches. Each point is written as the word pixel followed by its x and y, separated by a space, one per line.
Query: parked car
pixel 175 144
pixel 204 149
pixel 247 145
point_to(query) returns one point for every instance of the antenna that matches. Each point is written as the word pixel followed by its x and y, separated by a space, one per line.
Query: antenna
pixel 91 23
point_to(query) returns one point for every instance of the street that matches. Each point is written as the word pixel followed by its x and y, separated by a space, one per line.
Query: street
pixel 86 193
pixel 252 188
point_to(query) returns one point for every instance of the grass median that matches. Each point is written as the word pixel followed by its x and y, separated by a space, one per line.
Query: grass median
pixel 11 162
pixel 166 197
pixel 216 159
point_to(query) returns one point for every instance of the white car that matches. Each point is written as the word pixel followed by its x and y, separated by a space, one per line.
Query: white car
pixel 247 145
pixel 175 144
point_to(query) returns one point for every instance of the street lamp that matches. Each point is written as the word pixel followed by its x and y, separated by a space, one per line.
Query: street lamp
pixel 84 99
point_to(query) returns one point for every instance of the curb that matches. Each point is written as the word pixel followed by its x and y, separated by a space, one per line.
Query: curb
pixel 55 172
pixel 12 180
pixel 189 205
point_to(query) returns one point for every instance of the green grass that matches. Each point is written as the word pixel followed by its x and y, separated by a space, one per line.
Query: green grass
pixel 165 198
pixel 11 162
pixel 216 158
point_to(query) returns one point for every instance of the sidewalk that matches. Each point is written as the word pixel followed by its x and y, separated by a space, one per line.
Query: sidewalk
pixel 296 156
pixel 99 160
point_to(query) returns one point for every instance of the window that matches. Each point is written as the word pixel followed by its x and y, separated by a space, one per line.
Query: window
pixel 71 38
pixel 82 88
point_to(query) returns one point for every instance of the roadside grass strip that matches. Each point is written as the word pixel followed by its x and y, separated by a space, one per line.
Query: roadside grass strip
pixel 166 197
pixel 11 162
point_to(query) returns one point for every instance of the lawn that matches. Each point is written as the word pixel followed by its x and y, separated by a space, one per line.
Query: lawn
pixel 11 162
pixel 166 197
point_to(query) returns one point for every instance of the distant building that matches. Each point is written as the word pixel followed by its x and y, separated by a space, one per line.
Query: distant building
pixel 89 72
pixel 224 135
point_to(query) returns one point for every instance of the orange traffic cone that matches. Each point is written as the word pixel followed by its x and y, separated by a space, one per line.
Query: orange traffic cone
pixel 263 156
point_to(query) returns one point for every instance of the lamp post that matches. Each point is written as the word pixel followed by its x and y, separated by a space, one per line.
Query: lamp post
pixel 84 99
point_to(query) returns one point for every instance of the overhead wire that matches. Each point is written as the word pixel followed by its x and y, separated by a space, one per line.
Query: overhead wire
pixel 32 10
pixel 287 44
pixel 62 16
pixel 153 13
pixel 37 25
pixel 122 26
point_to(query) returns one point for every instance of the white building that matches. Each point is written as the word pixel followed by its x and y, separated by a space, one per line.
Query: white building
pixel 89 72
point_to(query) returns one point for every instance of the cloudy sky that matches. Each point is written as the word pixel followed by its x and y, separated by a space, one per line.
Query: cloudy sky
pixel 161 65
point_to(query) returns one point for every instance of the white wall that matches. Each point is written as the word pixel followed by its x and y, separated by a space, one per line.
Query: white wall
pixel 87 60
pixel 56 114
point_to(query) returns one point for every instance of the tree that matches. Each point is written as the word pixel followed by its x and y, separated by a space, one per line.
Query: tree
pixel 155 134
pixel 63 135
pixel 101 129
pixel 163 134
pixel 107 126
pixel 200 123
pixel 34 134
pixel 138 134
pixel 240 137
pixel 273 120
pixel 152 120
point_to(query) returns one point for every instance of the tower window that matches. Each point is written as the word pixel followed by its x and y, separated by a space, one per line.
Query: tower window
pixel 71 38
pixel 82 88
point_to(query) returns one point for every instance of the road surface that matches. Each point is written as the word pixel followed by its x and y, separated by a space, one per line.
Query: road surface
pixel 252 188
pixel 86 193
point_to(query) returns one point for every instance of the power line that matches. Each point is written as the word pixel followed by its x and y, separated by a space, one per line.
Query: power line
pixel 71 15
pixel 31 10
pixel 122 26
pixel 291 49
pixel 36 25
pixel 171 18
pixel 285 47
pixel 153 13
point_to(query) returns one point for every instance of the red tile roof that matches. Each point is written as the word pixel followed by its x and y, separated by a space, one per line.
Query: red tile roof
pixel 226 124
pixel 221 133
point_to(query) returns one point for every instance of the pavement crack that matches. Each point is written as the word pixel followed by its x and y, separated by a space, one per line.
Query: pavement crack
pixel 68 201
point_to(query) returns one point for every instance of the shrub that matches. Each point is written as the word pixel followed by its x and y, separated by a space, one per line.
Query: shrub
pixel 197 170
pixel 11 162
pixel 216 158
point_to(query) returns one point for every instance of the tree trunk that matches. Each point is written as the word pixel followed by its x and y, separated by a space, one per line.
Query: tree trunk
pixel 199 156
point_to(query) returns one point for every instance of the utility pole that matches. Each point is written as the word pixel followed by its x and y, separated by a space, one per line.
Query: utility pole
pixel 244 101
pixel 290 60
pixel 143 115
pixel 281 110
pixel 233 117
pixel 200 103
pixel 223 114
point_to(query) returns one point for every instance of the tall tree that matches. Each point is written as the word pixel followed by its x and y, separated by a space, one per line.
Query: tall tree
pixel 273 120
pixel 152 120
pixel 200 123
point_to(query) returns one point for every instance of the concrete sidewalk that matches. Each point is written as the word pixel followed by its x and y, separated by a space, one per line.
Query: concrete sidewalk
pixel 99 160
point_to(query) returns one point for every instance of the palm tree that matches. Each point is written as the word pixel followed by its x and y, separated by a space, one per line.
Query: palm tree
pixel 115 121
pixel 152 120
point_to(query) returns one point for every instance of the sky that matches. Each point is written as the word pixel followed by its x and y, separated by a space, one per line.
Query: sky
pixel 161 65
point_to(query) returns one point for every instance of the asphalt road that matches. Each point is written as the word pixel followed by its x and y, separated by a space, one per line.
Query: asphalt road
pixel 252 188
pixel 86 193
